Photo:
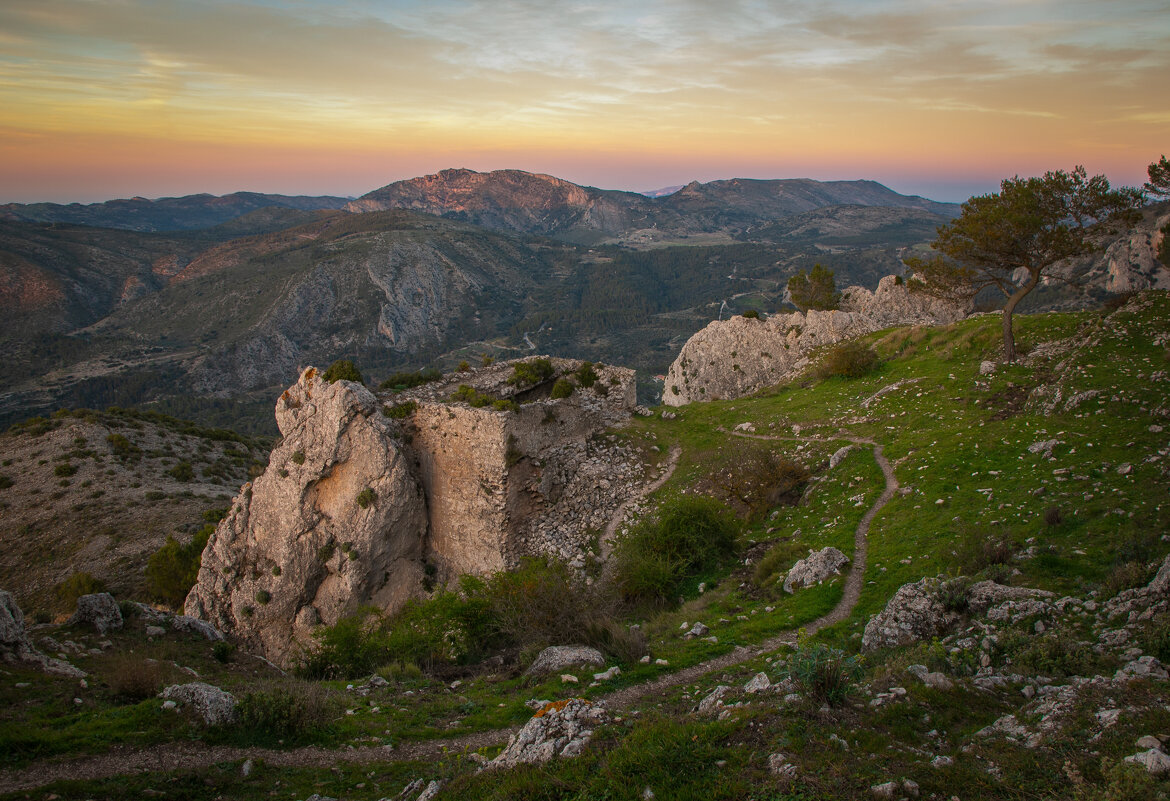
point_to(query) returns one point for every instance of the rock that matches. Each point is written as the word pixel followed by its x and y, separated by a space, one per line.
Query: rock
pixel 155 631
pixel 767 351
pixel 757 683
pixel 987 368
pixel 839 456
pixel 884 790
pixel 983 595
pixel 913 614
pixel 1149 741
pixel 561 729
pixel 1154 761
pixel 1146 667
pixel 559 657
pixel 193 625
pixel 748 427
pixel 937 681
pixel 1124 469
pixel 779 766
pixel 16 647
pixel 815 568
pixel 98 611
pixel 697 630
pixel 302 549
pixel 713 700
pixel 569 678
pixel 942 761
pixel 910 788
pixel 215 706
pixel 1044 446
pixel 612 673
pixel 430 792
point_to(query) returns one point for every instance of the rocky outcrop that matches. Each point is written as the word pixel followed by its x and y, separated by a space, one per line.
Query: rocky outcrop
pixel 98 611
pixel 914 613
pixel 215 707
pixel 558 657
pixel 16 647
pixel 815 568
pixel 356 506
pixel 736 357
pixel 337 521
pixel 559 729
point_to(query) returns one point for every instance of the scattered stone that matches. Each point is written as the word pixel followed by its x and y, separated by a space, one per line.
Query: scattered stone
pixel 987 368
pixel 155 631
pixel 779 766
pixel 713 700
pixel 612 673
pixel 1125 469
pixel 1146 667
pixel 1045 446
pixel 568 678
pixel 215 706
pixel 757 683
pixel 697 630
pixel 246 768
pixel 1149 741
pixel 195 626
pixel 839 456
pixel 1154 761
pixel 815 568
pixel 98 611
pixel 937 681
pixel 942 761
pixel 558 657
pixel 748 427
pixel 885 790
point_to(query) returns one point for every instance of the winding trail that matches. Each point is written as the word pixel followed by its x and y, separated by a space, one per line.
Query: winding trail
pixel 615 521
pixel 188 755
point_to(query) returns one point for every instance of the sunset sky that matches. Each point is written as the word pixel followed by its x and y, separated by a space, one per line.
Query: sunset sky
pixel 114 98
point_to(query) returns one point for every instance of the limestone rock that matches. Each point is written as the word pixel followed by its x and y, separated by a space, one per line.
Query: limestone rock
pixel 16 647
pixel 735 357
pixel 335 522
pixel 558 657
pixel 560 729
pixel 195 626
pixel 1145 667
pixel 937 681
pixel 914 613
pixel 779 766
pixel 757 683
pixel 815 568
pixel 98 611
pixel 1154 761
pixel 215 706
pixel 713 701
pixel 839 456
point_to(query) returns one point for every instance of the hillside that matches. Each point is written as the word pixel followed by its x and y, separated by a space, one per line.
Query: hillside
pixel 1048 476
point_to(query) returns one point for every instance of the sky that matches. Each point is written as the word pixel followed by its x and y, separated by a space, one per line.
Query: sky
pixel 944 98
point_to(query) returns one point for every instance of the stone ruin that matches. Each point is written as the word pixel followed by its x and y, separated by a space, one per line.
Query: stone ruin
pixel 370 499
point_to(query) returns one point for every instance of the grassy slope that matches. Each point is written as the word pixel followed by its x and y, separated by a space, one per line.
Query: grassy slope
pixel 954 436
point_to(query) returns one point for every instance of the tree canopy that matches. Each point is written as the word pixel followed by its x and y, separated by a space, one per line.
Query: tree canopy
pixel 1011 239
pixel 814 290
pixel 1159 184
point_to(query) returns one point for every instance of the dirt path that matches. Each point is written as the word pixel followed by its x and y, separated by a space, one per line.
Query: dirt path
pixel 190 755
pixel 615 521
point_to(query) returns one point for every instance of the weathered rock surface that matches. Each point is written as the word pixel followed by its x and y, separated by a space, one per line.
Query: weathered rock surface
pixel 815 568
pixel 16 647
pixel 560 729
pixel 337 521
pixel 914 613
pixel 214 706
pixel 733 358
pixel 558 657
pixel 98 611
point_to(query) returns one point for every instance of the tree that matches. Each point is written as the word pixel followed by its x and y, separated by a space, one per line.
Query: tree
pixel 1159 184
pixel 1013 238
pixel 343 370
pixel 814 290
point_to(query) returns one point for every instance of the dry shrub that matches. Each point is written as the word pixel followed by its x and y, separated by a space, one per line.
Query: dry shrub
pixel 847 360
pixel 756 480
pixel 1126 576
pixel 288 709
pixel 135 678
pixel 978 551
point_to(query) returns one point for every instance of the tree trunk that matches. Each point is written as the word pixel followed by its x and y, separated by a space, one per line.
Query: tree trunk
pixel 1009 339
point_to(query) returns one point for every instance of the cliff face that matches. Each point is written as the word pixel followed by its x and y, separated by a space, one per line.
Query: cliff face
pixel 736 357
pixel 355 507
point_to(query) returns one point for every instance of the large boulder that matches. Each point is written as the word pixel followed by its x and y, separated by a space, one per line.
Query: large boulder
pixel 914 613
pixel 558 657
pixel 215 707
pixel 559 729
pixel 16 647
pixel 736 357
pixel 815 568
pixel 98 611
pixel 336 522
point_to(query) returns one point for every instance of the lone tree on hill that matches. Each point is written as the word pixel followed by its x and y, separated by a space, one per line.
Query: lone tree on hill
pixel 1159 184
pixel 814 290
pixel 1011 239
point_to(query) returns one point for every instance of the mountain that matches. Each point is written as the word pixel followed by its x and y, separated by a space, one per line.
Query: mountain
pixel 512 200
pixel 165 214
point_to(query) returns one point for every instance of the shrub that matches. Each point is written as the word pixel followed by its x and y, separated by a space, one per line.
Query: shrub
pixel 691 535
pixel 402 380
pixel 182 472
pixel 1115 302
pixel 353 646
pixel 1126 576
pixel 826 674
pixel 525 374
pixel 1052 516
pixel 757 479
pixel 400 411
pixel 563 388
pixel 342 370
pixel 463 367
pixel 542 602
pixel 751 314
pixel 5 482
pixel 586 375
pixel 978 550
pixel 172 570
pixel 133 678
pixel 298 457
pixel 65 469
pixel 778 558
pixel 123 448
pixel 1052 654
pixel 366 497
pixel 955 595
pixel 222 651
pixel 263 597
pixel 1155 640
pixel 847 360
pixel 290 710
pixel 79 584
pixel 476 399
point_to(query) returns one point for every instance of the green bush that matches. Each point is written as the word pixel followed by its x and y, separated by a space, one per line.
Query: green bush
pixel 351 647
pixel 343 370
pixel 123 448
pixel 298 457
pixel 288 710
pixel 402 380
pixel 79 584
pixel 476 399
pixel 756 479
pixel 366 497
pixel 955 595
pixel 172 570
pixel 691 535
pixel 400 411
pixel 5 482
pixel 586 375
pixel 847 360
pixel 64 469
pixel 134 678
pixel 563 388
pixel 816 289
pixel 751 314
pixel 263 597
pixel 826 675
pixel 222 651
pixel 183 471
pixel 526 374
